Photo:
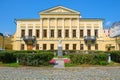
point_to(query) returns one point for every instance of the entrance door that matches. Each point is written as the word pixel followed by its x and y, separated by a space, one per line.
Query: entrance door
pixel 29 47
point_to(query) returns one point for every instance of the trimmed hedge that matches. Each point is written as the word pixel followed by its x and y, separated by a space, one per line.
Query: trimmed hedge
pixel 7 57
pixel 36 59
pixel 100 59
pixel 115 56
pixel 27 59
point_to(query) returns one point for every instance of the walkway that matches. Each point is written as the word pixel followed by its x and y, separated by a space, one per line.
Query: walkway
pixel 81 73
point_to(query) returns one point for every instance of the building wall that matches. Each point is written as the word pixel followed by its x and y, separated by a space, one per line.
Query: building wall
pixel 61 22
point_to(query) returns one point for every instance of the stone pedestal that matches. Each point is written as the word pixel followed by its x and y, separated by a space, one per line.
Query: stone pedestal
pixel 59 63
pixel 60 49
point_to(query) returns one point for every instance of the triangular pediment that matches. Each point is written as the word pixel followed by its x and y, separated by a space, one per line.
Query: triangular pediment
pixel 59 10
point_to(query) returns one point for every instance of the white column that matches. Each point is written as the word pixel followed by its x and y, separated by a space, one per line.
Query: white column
pixel 100 29
pixel 63 29
pixel 26 30
pixel 56 28
pixel 48 29
pixel 92 31
pixel 34 30
pixel 41 22
pixel 85 30
pixel 70 29
pixel 19 30
pixel 78 28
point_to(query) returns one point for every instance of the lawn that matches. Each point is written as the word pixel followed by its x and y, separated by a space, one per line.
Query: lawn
pixel 9 64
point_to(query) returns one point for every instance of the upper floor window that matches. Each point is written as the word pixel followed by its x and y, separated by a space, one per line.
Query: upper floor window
pixel 37 33
pixel 22 33
pixel 88 32
pixel 81 33
pixel 67 33
pixel 44 33
pixel 59 33
pixel 74 46
pixel 74 33
pixel 66 46
pixel 44 46
pixel 30 32
pixel 81 47
pixel 96 33
pixel 37 46
pixel 52 33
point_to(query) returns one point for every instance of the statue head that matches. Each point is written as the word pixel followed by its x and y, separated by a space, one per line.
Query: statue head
pixel 60 41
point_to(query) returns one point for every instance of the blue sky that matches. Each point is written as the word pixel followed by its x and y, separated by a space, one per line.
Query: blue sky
pixel 11 9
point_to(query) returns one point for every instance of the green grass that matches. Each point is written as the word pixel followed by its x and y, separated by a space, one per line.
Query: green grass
pixel 65 56
pixel 70 65
pixel 9 64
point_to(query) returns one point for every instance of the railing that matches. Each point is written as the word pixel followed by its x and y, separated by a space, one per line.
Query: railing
pixel 26 38
pixel 92 38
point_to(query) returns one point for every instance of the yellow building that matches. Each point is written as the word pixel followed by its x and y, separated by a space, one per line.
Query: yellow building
pixel 61 23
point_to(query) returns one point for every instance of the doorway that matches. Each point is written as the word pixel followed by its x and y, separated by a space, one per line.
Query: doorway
pixel 29 47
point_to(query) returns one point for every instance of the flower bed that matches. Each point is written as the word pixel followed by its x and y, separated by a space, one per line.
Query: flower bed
pixel 66 60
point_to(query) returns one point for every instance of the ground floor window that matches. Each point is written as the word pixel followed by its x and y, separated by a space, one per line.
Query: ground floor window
pixel 22 46
pixel 37 46
pixel 51 46
pixel 44 46
pixel 66 46
pixel 96 46
pixel 74 46
pixel 81 47
pixel 89 47
pixel 119 46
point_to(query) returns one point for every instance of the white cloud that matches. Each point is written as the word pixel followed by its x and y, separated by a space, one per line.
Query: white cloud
pixel 108 23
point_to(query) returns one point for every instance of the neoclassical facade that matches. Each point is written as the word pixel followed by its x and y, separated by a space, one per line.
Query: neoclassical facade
pixel 61 23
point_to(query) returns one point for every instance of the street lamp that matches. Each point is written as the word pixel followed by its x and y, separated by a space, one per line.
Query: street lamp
pixel 1 34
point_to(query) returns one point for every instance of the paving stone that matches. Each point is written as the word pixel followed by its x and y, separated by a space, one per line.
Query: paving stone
pixel 76 73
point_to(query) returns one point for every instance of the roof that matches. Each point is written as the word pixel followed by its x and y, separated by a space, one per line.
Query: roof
pixel 59 10
pixel 99 19
pixel 27 19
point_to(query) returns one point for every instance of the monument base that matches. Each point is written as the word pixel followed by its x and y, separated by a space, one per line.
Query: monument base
pixel 59 63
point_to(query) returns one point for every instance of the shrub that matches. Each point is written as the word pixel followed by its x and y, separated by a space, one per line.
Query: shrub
pixel 115 56
pixel 88 58
pixel 34 59
pixel 7 57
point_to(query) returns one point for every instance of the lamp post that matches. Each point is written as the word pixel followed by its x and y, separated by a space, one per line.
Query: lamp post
pixel 1 34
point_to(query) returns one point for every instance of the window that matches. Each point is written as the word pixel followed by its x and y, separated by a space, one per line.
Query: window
pixel 119 46
pixel 96 33
pixel 51 46
pixel 74 46
pixel 74 33
pixel 81 47
pixel 44 46
pixel 81 33
pixel 59 33
pixel 96 46
pixel 88 32
pixel 44 33
pixel 52 33
pixel 22 46
pixel 37 46
pixel 37 33
pixel 89 47
pixel 22 33
pixel 66 46
pixel 30 32
pixel 67 33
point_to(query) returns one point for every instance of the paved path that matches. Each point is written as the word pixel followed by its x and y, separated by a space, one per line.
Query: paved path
pixel 81 73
